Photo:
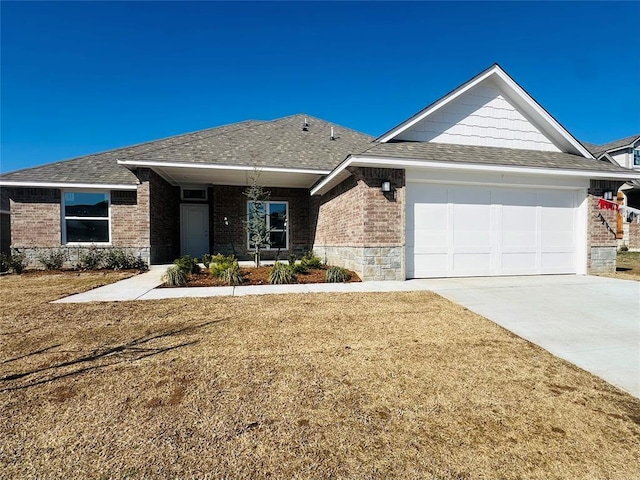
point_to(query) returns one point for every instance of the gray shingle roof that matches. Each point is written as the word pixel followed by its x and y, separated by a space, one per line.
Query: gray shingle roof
pixel 488 155
pixel 103 168
pixel 598 150
pixel 278 143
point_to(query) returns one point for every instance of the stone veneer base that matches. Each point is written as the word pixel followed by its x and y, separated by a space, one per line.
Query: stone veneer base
pixel 370 263
pixel 603 260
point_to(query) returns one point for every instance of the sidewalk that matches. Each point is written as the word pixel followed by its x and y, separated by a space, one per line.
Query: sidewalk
pixel 143 287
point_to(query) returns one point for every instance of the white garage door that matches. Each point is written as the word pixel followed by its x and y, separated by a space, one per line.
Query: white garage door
pixel 461 231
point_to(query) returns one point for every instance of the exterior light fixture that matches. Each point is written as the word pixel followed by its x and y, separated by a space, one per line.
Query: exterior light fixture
pixel 386 186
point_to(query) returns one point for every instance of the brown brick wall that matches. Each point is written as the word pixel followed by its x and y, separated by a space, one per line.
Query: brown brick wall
pixel 229 201
pixel 601 229
pixel 164 219
pixel 357 213
pixel 129 217
pixel 35 217
pixel 634 236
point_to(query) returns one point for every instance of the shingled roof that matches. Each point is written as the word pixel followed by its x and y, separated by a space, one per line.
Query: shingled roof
pixel 472 154
pixel 598 150
pixel 280 143
pixel 277 143
pixel 102 168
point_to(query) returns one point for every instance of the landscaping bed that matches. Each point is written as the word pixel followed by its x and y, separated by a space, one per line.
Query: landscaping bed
pixel 260 276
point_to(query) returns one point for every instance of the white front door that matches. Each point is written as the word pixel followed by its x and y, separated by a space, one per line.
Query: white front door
pixel 194 225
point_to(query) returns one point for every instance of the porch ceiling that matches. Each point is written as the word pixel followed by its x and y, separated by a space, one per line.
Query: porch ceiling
pixel 233 175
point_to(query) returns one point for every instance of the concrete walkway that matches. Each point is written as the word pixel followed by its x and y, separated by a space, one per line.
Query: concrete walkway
pixel 593 322
pixel 143 287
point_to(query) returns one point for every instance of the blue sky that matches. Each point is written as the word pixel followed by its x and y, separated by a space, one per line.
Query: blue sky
pixel 79 78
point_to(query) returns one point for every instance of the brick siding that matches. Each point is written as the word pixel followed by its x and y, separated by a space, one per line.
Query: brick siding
pixel 164 219
pixel 361 228
pixel 634 236
pixel 35 217
pixel 230 202
pixel 601 241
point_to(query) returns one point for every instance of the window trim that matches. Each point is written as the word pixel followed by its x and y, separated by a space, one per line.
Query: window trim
pixel 64 218
pixel 635 153
pixel 286 230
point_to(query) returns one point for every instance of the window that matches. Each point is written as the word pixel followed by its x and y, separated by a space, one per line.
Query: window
pixel 86 217
pixel 194 193
pixel 636 157
pixel 275 214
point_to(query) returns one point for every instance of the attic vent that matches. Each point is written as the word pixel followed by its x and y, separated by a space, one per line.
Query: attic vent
pixel 332 137
pixel 305 125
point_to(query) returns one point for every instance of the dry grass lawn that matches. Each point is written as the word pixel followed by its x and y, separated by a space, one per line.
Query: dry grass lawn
pixel 398 385
pixel 628 265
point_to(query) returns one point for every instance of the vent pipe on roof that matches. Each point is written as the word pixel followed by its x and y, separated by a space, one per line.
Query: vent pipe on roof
pixel 305 125
pixel 332 137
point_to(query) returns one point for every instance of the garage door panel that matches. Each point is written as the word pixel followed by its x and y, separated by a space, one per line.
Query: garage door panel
pixel 519 263
pixel 431 265
pixel 471 264
pixel 490 230
pixel 561 262
pixel 471 225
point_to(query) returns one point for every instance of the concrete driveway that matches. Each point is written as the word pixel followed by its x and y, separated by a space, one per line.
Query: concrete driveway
pixel 593 322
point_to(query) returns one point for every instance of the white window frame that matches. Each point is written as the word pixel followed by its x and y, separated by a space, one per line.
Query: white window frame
pixel 64 217
pixel 635 153
pixel 268 217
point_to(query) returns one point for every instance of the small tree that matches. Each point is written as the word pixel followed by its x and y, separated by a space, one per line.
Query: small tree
pixel 259 235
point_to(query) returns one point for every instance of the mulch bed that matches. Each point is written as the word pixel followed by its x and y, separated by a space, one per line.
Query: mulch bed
pixel 260 276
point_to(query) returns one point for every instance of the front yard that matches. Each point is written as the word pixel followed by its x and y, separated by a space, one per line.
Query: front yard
pixel 628 265
pixel 394 385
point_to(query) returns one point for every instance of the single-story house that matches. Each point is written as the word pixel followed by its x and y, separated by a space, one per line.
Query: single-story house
pixel 482 182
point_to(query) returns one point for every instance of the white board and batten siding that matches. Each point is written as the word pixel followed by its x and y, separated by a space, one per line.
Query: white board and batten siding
pixel 466 229
pixel 482 116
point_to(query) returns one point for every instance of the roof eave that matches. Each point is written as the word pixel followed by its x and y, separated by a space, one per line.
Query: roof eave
pixel 62 185
pixel 338 173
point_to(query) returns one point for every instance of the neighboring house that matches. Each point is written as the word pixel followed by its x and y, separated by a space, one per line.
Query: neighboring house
pixel 482 182
pixel 626 153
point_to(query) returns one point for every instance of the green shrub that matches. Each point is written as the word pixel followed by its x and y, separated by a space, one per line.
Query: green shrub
pixel 16 262
pixel 118 259
pixel 293 258
pixel 219 263
pixel 206 259
pixel 310 260
pixel 299 268
pixel 139 264
pixel 91 259
pixel 53 259
pixel 175 276
pixel 281 274
pixel 232 275
pixel 337 275
pixel 187 264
